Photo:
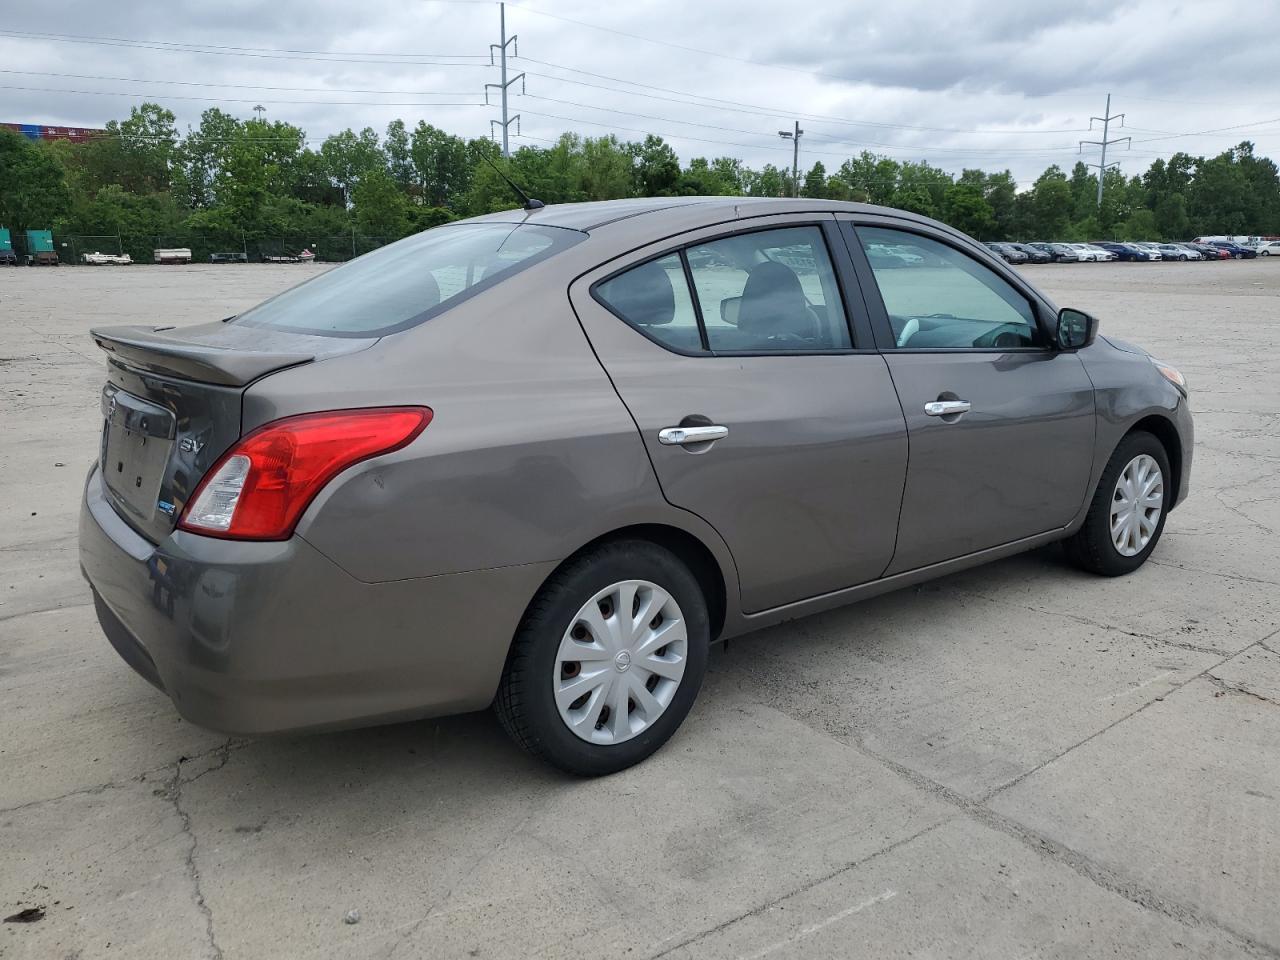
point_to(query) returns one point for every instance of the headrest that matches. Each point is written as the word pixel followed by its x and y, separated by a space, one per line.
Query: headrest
pixel 642 295
pixel 772 298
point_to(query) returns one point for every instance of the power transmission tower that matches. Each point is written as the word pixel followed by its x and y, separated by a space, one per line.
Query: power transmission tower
pixel 1102 165
pixel 506 121
pixel 794 137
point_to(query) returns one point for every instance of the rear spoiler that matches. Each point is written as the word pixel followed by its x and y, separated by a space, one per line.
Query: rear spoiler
pixel 150 349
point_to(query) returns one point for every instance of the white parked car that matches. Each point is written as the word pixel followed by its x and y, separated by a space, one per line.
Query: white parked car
pixel 1089 252
pixel 1268 248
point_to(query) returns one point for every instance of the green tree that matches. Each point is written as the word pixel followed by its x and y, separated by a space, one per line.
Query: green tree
pixel 815 182
pixel 442 165
pixel 381 209
pixel 1051 204
pixel 657 168
pixel 966 209
pixel 351 156
pixel 33 189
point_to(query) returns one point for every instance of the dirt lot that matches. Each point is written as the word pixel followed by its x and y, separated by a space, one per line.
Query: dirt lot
pixel 1017 761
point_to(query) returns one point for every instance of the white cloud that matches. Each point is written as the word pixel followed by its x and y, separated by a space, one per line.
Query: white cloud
pixel 959 83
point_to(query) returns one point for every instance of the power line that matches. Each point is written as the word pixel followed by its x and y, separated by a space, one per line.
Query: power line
pixel 174 96
pixel 420 60
pixel 86 38
pixel 764 110
pixel 246 86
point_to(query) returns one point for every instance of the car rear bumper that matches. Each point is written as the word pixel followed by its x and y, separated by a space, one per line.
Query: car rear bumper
pixel 253 638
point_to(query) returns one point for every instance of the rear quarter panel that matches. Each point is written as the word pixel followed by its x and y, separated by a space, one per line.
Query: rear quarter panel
pixel 530 453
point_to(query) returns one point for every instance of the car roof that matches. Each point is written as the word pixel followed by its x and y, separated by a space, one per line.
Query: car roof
pixel 595 214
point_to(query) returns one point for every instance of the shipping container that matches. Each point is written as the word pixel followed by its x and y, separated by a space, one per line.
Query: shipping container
pixel 8 257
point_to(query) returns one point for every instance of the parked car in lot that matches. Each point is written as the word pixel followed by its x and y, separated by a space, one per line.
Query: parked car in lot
pixel 1208 251
pixel 233 256
pixel 1007 252
pixel 1034 254
pixel 504 461
pixel 1268 248
pixel 1127 251
pixel 1235 250
pixel 1175 251
pixel 1092 253
pixel 1062 252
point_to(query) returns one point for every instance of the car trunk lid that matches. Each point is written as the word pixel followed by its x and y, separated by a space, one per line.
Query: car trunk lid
pixel 172 403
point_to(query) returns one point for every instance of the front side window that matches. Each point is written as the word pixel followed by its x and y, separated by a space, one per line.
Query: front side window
pixel 406 282
pixel 944 299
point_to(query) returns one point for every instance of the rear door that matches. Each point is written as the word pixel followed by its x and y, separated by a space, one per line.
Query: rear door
pixel 741 332
pixel 1001 425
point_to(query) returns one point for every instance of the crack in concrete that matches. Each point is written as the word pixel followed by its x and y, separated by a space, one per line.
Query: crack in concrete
pixel 803 888
pixel 43 610
pixel 1214 573
pixel 230 746
pixel 1076 618
pixel 174 794
pixel 1238 690
pixel 977 809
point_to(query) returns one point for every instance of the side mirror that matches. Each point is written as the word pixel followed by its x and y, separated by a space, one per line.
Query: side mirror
pixel 1075 329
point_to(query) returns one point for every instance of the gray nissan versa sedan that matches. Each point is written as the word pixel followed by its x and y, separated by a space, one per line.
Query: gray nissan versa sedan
pixel 542 459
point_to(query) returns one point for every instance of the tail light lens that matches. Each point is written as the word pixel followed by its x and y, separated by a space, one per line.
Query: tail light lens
pixel 261 486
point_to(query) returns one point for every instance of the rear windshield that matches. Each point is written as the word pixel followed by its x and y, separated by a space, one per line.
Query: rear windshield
pixel 410 281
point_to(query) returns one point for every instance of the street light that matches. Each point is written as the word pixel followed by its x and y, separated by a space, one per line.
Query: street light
pixel 794 137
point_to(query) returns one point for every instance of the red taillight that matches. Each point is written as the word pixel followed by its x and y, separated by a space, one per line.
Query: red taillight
pixel 259 488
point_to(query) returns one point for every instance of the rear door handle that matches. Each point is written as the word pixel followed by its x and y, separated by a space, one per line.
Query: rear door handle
pixel 945 408
pixel 683 436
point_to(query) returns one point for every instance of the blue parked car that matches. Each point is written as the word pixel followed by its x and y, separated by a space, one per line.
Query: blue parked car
pixel 1237 251
pixel 1125 251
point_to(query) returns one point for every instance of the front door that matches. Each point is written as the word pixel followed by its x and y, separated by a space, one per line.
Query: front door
pixel 732 349
pixel 1000 425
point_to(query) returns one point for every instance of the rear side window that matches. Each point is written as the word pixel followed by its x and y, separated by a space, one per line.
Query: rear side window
pixel 765 291
pixel 407 282
pixel 654 299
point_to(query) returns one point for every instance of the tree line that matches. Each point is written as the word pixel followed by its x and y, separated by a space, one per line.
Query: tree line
pixel 234 181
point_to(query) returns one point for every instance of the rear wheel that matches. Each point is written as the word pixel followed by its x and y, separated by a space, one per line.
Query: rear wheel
pixel 1127 514
pixel 608 660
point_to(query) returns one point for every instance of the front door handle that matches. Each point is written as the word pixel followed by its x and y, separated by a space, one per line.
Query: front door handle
pixel 946 408
pixel 684 436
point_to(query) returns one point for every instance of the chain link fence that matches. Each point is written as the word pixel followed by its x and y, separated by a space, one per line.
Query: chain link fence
pixel 71 247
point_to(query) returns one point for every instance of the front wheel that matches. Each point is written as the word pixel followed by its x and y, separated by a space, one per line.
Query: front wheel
pixel 1128 510
pixel 608 659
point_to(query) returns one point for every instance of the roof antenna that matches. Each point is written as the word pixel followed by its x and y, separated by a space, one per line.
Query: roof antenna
pixel 529 202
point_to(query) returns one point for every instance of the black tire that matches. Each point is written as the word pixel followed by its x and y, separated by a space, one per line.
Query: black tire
pixel 1091 547
pixel 525 702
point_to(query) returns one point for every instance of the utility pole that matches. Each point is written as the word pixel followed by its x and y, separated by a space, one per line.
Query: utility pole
pixel 506 121
pixel 1102 165
pixel 794 137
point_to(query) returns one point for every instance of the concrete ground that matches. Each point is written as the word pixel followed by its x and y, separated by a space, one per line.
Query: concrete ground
pixel 1017 761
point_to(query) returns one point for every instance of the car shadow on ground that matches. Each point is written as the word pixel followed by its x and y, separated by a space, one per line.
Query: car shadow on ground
pixel 471 751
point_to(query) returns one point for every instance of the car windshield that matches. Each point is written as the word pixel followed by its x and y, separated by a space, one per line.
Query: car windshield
pixel 407 282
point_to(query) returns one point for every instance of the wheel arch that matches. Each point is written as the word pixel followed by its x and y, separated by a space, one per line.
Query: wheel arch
pixel 687 547
pixel 1162 429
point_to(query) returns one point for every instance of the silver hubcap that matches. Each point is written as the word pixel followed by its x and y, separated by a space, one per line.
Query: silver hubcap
pixel 620 662
pixel 1136 505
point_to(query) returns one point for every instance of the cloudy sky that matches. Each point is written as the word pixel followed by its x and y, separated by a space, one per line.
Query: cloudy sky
pixel 958 83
